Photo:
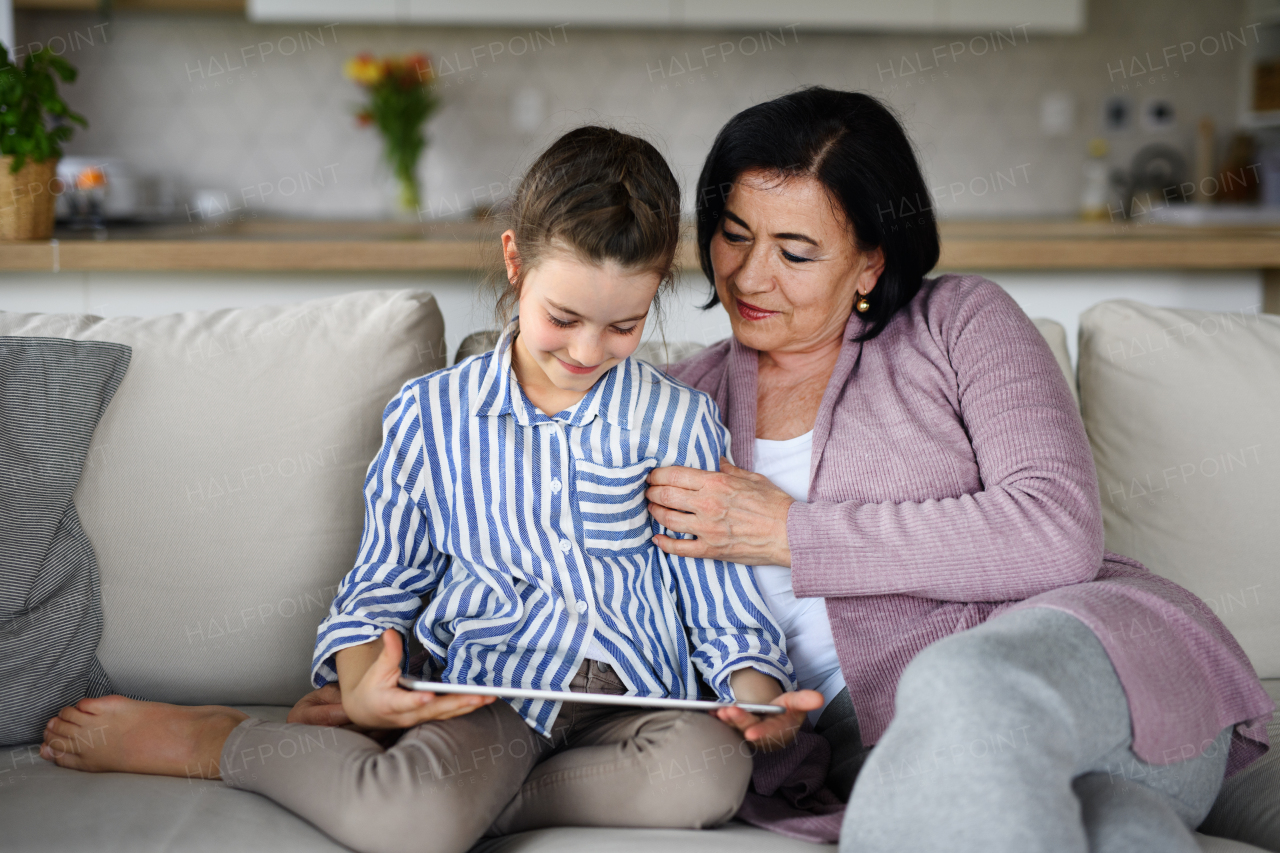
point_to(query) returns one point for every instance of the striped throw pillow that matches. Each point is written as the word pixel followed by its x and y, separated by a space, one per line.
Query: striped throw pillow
pixel 53 391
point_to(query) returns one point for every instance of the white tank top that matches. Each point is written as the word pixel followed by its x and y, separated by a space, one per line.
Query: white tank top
pixel 810 645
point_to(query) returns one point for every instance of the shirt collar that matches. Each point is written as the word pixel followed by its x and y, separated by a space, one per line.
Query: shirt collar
pixel 614 397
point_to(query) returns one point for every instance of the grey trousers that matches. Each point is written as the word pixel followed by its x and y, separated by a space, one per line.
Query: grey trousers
pixel 1014 737
pixel 445 784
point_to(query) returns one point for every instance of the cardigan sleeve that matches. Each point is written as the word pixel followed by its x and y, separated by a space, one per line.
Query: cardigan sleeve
pixel 1035 525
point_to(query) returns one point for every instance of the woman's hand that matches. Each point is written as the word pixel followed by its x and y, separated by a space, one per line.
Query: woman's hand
pixel 737 515
pixel 774 731
pixel 378 702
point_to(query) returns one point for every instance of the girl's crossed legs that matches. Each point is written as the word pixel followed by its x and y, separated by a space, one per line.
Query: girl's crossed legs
pixel 444 784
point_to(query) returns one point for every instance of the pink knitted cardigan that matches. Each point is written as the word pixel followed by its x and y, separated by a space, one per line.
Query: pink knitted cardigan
pixel 951 481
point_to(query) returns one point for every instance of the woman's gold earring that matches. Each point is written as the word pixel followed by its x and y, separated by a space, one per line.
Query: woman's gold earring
pixel 863 305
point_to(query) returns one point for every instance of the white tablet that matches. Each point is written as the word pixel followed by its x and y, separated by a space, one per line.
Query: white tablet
pixel 410 683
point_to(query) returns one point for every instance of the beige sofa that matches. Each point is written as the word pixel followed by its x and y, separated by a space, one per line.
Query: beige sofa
pixel 223 497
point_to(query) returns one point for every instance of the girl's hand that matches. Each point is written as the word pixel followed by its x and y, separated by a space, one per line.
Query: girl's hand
pixel 774 731
pixel 321 707
pixel 378 702
pixel 737 515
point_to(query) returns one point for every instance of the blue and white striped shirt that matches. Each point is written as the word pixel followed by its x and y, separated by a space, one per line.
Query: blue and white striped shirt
pixel 534 536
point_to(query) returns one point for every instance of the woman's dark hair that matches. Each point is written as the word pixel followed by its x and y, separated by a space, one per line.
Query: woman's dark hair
pixel 856 148
pixel 603 194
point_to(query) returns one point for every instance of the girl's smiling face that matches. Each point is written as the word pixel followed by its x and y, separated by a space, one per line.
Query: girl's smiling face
pixel 577 320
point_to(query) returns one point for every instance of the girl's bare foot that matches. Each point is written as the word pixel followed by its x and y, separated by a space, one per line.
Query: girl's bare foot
pixel 115 733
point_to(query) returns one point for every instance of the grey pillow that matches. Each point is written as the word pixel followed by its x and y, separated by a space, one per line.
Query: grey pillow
pixel 52 394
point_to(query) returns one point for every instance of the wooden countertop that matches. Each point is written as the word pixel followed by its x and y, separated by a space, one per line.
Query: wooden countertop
pixel 311 245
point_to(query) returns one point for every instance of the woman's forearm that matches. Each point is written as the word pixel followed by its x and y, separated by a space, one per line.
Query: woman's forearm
pixel 1001 544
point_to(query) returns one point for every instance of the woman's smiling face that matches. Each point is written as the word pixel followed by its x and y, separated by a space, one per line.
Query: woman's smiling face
pixel 786 263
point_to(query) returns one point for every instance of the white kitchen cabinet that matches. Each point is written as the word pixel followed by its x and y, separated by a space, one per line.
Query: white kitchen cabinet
pixel 452 12
pixel 658 13
pixel 812 14
pixel 1061 16
pixel 328 11
pixel 924 15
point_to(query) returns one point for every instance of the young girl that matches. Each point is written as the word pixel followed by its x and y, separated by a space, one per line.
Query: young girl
pixel 506 527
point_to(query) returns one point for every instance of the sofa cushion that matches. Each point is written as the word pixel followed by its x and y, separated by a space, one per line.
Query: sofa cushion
pixel 225 499
pixel 659 351
pixel 52 395
pixel 1183 412
pixel 46 808
pixel 49 809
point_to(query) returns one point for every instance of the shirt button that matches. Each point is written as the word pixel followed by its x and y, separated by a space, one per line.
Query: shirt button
pixel 565 546
pixel 555 487
pixel 581 607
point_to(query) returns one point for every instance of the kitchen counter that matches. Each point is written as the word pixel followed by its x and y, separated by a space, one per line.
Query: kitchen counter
pixel 265 245
pixel 1075 245
pixel 260 245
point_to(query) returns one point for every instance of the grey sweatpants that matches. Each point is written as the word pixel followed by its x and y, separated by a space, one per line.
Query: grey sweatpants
pixel 1014 737
pixel 445 784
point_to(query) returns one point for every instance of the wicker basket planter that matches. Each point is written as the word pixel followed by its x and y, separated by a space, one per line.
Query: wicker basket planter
pixel 27 199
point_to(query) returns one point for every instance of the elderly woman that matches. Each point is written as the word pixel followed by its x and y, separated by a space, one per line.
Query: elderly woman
pixel 914 486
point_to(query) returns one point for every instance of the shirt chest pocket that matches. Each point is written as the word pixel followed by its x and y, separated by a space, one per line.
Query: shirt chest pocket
pixel 615 514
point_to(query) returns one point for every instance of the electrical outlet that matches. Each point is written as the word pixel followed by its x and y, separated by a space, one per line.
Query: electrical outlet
pixel 1057 113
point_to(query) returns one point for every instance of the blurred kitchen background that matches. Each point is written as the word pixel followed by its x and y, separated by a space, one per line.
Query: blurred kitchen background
pixel 1076 151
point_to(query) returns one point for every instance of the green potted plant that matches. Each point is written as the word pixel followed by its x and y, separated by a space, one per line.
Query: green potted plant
pixel 34 122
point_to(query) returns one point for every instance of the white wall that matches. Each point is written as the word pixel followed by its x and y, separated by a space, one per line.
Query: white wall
pixel 263 113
